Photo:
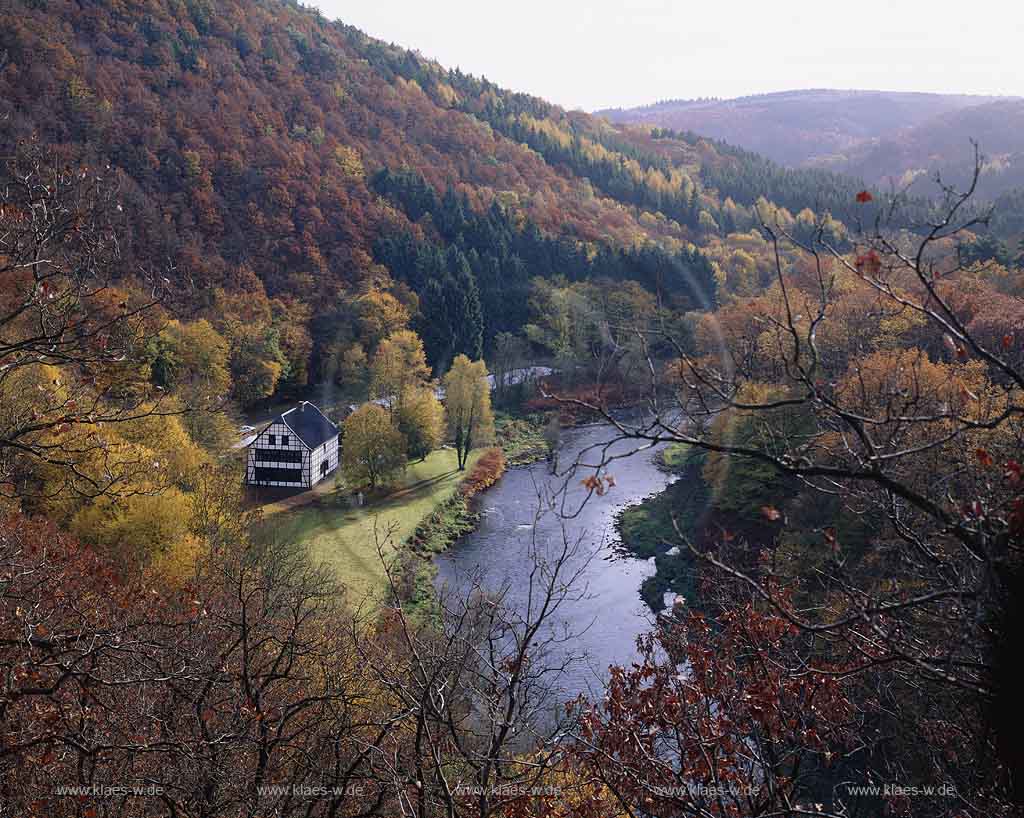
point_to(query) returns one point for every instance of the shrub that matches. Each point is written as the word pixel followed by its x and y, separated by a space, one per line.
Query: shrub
pixel 485 473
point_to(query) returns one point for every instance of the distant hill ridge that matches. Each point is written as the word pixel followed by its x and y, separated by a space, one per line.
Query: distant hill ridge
pixel 880 136
pixel 802 94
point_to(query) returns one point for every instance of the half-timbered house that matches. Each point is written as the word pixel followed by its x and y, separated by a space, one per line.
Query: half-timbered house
pixel 297 450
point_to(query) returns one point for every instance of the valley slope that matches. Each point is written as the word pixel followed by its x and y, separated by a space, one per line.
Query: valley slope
pixel 305 182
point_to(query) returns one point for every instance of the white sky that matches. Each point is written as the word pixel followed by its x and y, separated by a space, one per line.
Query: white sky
pixel 600 53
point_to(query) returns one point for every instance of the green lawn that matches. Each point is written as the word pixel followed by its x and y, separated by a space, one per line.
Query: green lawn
pixel 343 538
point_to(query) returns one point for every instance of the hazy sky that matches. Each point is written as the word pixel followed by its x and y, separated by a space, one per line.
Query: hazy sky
pixel 599 53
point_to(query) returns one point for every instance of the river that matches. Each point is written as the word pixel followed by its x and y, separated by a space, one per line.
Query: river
pixel 606 622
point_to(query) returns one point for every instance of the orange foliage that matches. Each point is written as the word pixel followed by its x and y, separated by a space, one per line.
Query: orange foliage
pixel 484 474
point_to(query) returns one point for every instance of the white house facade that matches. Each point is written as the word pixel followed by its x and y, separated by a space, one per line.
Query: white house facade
pixel 297 450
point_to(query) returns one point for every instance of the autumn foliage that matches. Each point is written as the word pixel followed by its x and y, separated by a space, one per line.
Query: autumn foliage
pixel 734 734
pixel 209 204
pixel 196 696
pixel 490 466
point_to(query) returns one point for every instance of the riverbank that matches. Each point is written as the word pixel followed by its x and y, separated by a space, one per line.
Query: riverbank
pixel 343 537
pixel 428 508
pixel 711 503
pixel 451 520
pixel 521 437
pixel 648 530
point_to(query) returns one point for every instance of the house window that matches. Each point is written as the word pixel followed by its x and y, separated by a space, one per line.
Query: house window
pixel 278 456
pixel 273 440
pixel 284 440
pixel 323 468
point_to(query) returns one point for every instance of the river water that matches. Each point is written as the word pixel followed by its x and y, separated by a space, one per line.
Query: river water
pixel 604 624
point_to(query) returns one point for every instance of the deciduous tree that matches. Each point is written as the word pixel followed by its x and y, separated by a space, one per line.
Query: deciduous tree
pixel 373 450
pixel 73 329
pixel 468 406
pixel 420 419
pixel 399 369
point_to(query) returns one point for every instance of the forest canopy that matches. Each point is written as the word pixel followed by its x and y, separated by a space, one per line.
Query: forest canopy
pixel 211 209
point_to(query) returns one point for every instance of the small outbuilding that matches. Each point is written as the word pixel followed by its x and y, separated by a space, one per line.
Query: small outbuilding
pixel 297 450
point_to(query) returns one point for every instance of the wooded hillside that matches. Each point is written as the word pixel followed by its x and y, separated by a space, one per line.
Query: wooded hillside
pixel 252 138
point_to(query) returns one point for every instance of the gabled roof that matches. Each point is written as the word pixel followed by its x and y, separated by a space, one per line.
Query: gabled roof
pixel 309 424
